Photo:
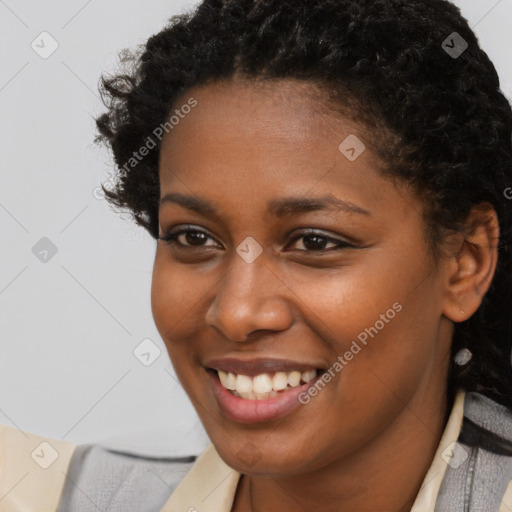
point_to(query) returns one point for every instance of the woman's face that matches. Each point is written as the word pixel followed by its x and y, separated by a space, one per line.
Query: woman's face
pixel 299 257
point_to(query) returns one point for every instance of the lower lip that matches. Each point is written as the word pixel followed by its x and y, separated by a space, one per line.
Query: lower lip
pixel 256 411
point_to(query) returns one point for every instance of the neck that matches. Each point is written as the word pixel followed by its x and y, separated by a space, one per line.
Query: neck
pixel 386 474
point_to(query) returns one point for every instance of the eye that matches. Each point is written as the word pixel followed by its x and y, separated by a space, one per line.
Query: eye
pixel 186 237
pixel 189 237
pixel 314 241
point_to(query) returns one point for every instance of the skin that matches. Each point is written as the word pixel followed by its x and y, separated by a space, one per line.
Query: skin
pixel 366 441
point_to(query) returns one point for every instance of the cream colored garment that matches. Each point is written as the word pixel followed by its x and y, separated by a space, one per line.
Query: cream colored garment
pixel 32 471
pixel 210 485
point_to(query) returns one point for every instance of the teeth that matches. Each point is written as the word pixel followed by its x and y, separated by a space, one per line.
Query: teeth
pixel 294 379
pixel 223 376
pixel 231 381
pixel 308 375
pixel 279 381
pixel 263 386
pixel 243 384
pixel 262 383
pixel 227 380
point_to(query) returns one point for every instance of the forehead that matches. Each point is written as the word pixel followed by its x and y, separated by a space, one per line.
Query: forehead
pixel 285 107
pixel 245 140
pixel 272 122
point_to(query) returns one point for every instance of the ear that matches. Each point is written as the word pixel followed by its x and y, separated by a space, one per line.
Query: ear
pixel 471 263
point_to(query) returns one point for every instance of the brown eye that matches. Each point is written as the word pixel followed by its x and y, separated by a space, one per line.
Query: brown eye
pixel 194 237
pixel 311 241
pixel 188 237
pixel 316 242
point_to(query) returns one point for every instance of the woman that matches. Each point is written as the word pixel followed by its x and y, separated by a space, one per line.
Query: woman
pixel 327 184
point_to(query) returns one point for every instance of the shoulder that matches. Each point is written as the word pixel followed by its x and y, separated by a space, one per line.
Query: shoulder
pixel 32 470
pixel 479 478
pixel 39 474
pixel 104 479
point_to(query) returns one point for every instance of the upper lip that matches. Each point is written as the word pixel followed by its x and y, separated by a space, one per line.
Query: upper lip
pixel 257 366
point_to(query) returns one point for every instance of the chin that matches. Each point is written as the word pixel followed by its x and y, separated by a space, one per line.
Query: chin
pixel 259 459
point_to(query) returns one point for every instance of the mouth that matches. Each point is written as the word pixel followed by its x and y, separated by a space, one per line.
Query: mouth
pixel 258 396
pixel 264 385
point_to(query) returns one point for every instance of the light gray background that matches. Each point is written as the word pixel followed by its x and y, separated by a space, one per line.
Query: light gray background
pixel 69 326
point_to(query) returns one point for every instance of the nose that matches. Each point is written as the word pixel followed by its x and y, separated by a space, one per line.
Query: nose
pixel 250 297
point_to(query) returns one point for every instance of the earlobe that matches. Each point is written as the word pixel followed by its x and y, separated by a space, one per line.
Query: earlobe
pixel 472 264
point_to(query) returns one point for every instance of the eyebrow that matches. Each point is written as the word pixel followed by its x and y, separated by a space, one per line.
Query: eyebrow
pixel 278 207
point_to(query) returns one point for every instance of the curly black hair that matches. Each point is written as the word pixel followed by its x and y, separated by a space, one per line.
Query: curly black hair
pixel 401 68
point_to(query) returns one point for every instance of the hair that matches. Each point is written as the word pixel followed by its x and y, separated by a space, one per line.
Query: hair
pixel 438 122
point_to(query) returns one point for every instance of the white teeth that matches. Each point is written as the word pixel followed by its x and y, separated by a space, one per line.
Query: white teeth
pixel 231 381
pixel 263 386
pixel 223 376
pixel 279 381
pixel 294 379
pixel 262 383
pixel 308 375
pixel 227 380
pixel 243 384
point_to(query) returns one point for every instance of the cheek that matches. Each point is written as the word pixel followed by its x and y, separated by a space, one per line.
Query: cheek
pixel 343 304
pixel 169 301
pixel 173 298
pixel 175 291
pixel 381 318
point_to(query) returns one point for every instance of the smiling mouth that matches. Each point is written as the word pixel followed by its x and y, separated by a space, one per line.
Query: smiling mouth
pixel 264 385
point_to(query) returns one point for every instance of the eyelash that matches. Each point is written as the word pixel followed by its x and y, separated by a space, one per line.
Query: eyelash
pixel 171 237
